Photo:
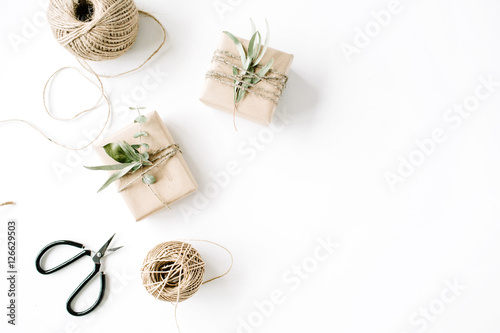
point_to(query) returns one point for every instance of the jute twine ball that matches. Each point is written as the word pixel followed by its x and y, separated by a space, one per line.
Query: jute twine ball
pixel 94 29
pixel 173 271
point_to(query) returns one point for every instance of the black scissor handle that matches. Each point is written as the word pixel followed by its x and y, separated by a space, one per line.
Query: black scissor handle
pixel 64 264
pixel 81 286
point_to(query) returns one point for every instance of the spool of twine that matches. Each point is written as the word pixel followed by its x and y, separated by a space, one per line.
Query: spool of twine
pixel 94 29
pixel 173 271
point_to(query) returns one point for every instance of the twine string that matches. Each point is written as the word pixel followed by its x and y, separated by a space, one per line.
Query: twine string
pixel 174 149
pixel 174 271
pixel 99 41
pixel 274 78
pixel 99 86
pixel 7 203
pixel 164 40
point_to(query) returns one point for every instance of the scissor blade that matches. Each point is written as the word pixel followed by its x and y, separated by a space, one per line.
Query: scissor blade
pixel 97 257
pixel 113 249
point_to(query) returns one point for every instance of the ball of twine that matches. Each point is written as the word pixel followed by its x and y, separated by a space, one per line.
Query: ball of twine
pixel 173 271
pixel 94 29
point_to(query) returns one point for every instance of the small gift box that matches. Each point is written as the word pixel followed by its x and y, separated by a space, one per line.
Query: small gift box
pixel 173 179
pixel 227 72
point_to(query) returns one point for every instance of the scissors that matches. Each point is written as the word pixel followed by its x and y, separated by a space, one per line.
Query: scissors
pixel 97 267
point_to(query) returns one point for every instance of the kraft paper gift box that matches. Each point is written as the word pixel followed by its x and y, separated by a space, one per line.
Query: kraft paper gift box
pixel 174 179
pixel 220 95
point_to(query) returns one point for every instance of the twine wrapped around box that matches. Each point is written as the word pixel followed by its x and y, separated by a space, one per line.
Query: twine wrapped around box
pixel 174 179
pixel 261 99
pixel 274 78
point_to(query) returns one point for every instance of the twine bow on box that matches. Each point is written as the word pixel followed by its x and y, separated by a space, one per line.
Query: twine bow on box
pixel 165 154
pixel 131 159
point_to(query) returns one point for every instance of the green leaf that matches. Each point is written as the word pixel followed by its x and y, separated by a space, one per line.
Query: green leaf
pixel 116 152
pixel 129 151
pixel 263 71
pixel 148 179
pixel 136 108
pixel 264 49
pixel 239 96
pixel 253 26
pixel 110 167
pixel 257 48
pixel 117 175
pixel 266 68
pixel 240 48
pixel 235 72
pixel 141 119
pixel 250 61
pixel 137 146
pixel 244 86
pixel 145 156
pixel 140 133
pixel 250 47
pixel 247 65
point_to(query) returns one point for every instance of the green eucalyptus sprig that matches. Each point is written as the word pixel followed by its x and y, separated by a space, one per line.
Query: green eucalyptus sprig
pixel 129 157
pixel 250 61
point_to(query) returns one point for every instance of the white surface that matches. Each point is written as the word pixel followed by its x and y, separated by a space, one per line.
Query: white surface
pixel 323 175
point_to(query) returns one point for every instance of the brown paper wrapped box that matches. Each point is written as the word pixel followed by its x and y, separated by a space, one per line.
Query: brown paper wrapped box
pixel 174 180
pixel 220 96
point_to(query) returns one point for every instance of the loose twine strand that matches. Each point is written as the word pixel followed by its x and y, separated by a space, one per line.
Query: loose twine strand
pixel 274 78
pixel 109 34
pixel 174 271
pixel 7 203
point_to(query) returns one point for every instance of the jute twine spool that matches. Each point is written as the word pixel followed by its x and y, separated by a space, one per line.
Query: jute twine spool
pixel 174 271
pixel 94 29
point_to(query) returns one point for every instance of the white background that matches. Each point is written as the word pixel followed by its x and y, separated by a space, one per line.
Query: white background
pixel 323 176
